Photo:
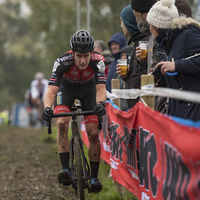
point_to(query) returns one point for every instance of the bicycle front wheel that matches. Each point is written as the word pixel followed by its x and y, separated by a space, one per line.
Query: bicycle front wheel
pixel 79 168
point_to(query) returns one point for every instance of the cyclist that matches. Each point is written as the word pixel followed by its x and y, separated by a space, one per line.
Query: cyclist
pixel 37 90
pixel 78 74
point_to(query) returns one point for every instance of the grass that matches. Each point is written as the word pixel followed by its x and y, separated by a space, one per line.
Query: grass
pixel 109 191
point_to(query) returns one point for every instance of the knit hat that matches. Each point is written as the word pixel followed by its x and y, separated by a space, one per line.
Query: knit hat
pixel 142 6
pixel 129 19
pixel 162 13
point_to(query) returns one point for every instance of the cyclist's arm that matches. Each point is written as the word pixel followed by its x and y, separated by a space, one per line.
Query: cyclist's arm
pixel 101 92
pixel 50 95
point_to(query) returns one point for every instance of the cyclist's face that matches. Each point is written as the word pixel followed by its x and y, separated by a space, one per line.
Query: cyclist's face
pixel 82 59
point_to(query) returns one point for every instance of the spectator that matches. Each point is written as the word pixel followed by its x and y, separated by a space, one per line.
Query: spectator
pixel 180 37
pixel 125 53
pixel 128 21
pixel 99 46
pixel 116 42
pixel 136 69
pixel 38 89
pixel 184 8
pixel 108 59
pixel 152 56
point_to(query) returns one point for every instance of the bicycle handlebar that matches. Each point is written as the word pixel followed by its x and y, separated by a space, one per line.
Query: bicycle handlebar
pixel 73 114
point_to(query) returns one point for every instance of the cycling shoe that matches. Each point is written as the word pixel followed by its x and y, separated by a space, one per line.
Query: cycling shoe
pixel 64 177
pixel 95 185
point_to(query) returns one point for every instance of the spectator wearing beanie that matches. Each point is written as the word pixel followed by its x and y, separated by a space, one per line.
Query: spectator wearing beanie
pixel 135 70
pixel 141 9
pixel 128 21
pixel 182 41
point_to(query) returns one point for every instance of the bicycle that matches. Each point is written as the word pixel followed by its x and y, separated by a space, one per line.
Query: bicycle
pixel 80 170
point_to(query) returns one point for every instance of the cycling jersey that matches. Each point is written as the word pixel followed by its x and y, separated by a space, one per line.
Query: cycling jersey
pixel 79 84
pixel 38 88
pixel 66 70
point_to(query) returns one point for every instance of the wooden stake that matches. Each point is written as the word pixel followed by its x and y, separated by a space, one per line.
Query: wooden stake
pixel 115 84
pixel 148 80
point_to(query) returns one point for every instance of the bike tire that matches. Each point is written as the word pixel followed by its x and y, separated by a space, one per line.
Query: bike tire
pixel 79 168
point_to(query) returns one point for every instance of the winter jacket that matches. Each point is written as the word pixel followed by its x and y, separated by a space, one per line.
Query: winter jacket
pixel 136 69
pixel 120 39
pixel 183 41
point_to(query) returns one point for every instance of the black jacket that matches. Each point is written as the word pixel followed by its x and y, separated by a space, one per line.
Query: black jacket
pixel 183 41
pixel 135 69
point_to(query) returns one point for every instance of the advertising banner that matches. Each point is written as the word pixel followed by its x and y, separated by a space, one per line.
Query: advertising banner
pixel 150 154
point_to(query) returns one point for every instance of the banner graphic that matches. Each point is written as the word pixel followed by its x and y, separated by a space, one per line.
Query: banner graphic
pixel 150 154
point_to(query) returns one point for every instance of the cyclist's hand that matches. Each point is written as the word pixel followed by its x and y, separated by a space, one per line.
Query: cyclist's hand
pixel 47 114
pixel 99 109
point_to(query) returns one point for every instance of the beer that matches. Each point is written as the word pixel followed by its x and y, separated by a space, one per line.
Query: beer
pixel 123 69
pixel 144 53
pixel 143 46
pixel 123 65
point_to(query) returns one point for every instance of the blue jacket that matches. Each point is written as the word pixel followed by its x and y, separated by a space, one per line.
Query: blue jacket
pixel 120 39
pixel 183 41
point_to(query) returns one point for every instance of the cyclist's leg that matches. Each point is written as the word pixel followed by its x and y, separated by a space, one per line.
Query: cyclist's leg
pixel 91 123
pixel 63 102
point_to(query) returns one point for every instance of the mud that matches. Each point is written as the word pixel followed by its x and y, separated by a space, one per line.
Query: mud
pixel 29 164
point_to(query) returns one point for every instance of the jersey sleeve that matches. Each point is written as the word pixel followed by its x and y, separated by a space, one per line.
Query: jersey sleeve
pixel 56 75
pixel 59 68
pixel 100 77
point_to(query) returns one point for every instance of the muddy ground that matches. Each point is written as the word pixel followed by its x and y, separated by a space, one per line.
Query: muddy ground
pixel 29 166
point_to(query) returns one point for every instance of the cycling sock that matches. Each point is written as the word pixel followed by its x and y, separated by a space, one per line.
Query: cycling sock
pixel 64 158
pixel 94 169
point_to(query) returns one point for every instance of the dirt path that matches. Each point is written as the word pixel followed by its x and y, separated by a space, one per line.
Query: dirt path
pixel 29 166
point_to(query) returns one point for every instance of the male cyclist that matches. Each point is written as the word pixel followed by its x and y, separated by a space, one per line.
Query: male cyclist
pixel 37 91
pixel 78 74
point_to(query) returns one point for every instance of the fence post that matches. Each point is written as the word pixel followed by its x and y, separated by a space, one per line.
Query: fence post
pixel 115 84
pixel 148 80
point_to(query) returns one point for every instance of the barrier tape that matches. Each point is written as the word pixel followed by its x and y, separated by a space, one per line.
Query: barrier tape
pixel 164 92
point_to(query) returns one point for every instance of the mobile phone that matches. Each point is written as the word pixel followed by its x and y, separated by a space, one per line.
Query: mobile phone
pixel 157 74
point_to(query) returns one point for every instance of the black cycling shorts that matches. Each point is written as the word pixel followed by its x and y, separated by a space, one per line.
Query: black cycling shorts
pixel 67 93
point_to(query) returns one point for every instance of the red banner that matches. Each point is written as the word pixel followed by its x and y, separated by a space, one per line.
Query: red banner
pixel 166 153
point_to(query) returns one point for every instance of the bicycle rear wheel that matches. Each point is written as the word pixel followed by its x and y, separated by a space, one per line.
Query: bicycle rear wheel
pixel 79 168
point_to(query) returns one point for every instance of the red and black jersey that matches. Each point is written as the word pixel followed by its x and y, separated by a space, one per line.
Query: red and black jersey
pixel 65 69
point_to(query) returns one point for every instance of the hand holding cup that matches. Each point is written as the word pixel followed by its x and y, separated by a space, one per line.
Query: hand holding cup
pixel 122 67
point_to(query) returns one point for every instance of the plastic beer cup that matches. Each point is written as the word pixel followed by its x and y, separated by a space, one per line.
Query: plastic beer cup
pixel 144 47
pixel 123 65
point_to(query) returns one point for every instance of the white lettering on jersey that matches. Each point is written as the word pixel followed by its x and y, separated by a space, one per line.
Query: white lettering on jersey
pixel 101 66
pixel 55 66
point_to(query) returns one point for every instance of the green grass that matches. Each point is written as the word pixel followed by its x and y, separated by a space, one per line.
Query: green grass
pixel 109 191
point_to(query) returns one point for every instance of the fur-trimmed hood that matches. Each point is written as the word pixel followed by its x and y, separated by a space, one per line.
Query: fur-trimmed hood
pixel 182 22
